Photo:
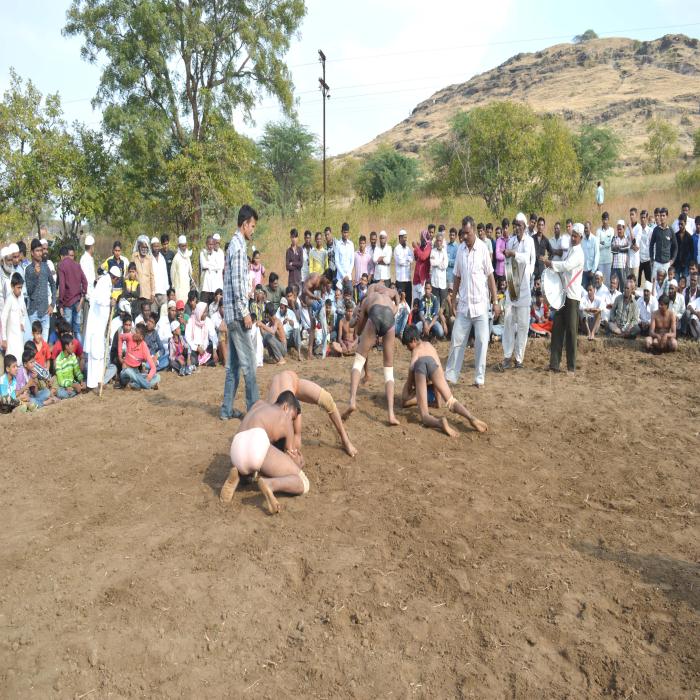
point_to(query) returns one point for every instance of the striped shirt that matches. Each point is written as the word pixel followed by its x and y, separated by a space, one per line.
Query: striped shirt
pixel 473 267
pixel 67 370
pixel 236 288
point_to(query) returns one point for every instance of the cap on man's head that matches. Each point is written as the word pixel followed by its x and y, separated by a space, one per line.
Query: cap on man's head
pixel 402 232
pixel 43 241
pixel 283 301
pixel 124 305
pixel 217 236
pixel 115 271
pixel 172 304
pixel 673 283
pixel 89 240
pixel 4 253
pixel 599 274
pixel 12 249
pixel 647 286
pixel 382 234
pixel 155 240
pixel 174 325
pixel 578 228
pixel 182 240
pixel 180 305
pixel 521 218
pixel 620 222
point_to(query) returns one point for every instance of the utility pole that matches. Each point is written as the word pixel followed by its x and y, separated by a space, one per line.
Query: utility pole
pixel 326 92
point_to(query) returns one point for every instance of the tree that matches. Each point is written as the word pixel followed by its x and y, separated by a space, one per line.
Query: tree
pixel 386 172
pixel 188 65
pixel 598 150
pixel 661 144
pixel 588 35
pixel 288 150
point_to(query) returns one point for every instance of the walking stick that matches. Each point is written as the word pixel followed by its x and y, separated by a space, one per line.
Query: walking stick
pixel 104 364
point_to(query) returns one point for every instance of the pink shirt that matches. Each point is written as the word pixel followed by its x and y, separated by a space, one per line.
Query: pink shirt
pixel 257 274
pixel 362 262
pixel 473 267
pixel 137 354
pixel 500 257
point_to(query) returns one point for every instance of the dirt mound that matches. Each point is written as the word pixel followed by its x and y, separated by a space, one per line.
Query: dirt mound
pixel 556 556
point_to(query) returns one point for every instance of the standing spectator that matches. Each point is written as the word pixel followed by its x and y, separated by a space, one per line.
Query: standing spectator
pixel 241 355
pixel 14 322
pixel 684 243
pixel 421 272
pixel 181 270
pixel 451 247
pixel 72 288
pixel 96 326
pixel 87 264
pixel 403 257
pixel 39 284
pixel 318 257
pixel 160 275
pixel 330 250
pixel 620 248
pixel 605 236
pixel 499 258
pixel 475 283
pixel 294 259
pixel 344 255
pixel 119 261
pixel 542 246
pixel 663 245
pixel 306 249
pixel 561 242
pixel 633 233
pixel 144 269
pixel 361 264
pixel 599 195
pixel 591 255
pixel 382 260
pixel 644 232
pixel 168 254
pixel 438 268
pixel 211 270
pixel 371 248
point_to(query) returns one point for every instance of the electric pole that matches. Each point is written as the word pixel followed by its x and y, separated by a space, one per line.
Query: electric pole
pixel 326 92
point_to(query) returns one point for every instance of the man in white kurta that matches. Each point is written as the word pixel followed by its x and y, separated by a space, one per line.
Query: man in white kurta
pixel 181 270
pixel 101 304
pixel 517 316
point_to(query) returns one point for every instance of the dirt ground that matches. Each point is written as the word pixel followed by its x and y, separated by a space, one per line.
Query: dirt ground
pixel 557 556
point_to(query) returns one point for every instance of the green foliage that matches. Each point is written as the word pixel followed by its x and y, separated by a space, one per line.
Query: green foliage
pixel 696 144
pixel 507 155
pixel 386 172
pixel 661 144
pixel 588 35
pixel 176 72
pixel 598 150
pixel 688 180
pixel 287 150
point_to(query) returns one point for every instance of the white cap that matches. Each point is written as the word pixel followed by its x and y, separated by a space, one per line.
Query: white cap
pixel 672 283
pixel 283 300
pixel 155 239
pixel 89 240
pixel 172 304
pixel 124 306
pixel 620 222
pixel 382 234
pixel 174 325
pixel 4 253
pixel 43 241
pixel 521 217
pixel 647 286
pixel 12 249
pixel 579 229
pixel 182 240
pixel 115 271
pixel 402 232
pixel 598 272
pixel 217 236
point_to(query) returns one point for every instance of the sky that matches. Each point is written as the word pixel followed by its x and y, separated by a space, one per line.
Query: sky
pixel 383 56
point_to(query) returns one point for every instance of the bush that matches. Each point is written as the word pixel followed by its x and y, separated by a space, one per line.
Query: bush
pixel 386 172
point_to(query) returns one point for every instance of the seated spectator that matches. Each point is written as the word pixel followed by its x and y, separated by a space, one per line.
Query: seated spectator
pixel 43 355
pixel 256 341
pixel 430 308
pixel 69 378
pixel 692 311
pixel 647 306
pixel 257 304
pixel 676 304
pixel 155 344
pixel 346 344
pixel 591 310
pixel 447 312
pixel 118 350
pixel 64 330
pixel 290 324
pixel 402 314
pixel 8 385
pixel 273 335
pixel 191 305
pixel 197 336
pixel 37 381
pixel 624 315
pixel 273 291
pixel 662 331
pixel 165 322
pixel 540 323
pixel 136 355
pixel 178 352
pixel 416 315
pixel 216 317
pixel 660 283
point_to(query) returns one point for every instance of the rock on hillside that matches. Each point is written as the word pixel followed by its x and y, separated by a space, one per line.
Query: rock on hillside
pixel 618 83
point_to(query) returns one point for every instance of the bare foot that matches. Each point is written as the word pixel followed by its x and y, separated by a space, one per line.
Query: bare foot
pixel 273 505
pixel 350 449
pixel 230 486
pixel 365 378
pixel 282 362
pixel 478 425
pixel 393 420
pixel 348 411
pixel 446 428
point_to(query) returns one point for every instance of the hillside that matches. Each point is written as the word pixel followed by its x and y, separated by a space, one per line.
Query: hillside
pixel 618 83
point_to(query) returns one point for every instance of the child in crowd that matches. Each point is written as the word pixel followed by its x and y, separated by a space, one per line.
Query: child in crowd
pixel 540 323
pixel 132 289
pixel 402 314
pixel 216 317
pixel 416 316
pixel 14 318
pixel 361 289
pixel 64 331
pixel 69 378
pixel 8 385
pixel 346 344
pixel 43 349
pixel 197 336
pixel 137 354
pixel 257 270
pixel 192 301
pixel 36 380
pixel 179 352
pixel 155 345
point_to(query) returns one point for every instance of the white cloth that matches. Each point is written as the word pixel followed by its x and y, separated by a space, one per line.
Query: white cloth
pixel 635 238
pixel 560 246
pixel 438 268
pixel 570 270
pixel 677 306
pixel 258 348
pixel 515 328
pixel 15 322
pixel 344 258
pixel 644 238
pixel 646 309
pixel 473 267
pixel 160 274
pixel 211 266
pixel 596 303
pixel 403 257
pixel 382 271
pixel 87 265
pixel 525 257
pixel 181 273
pixel 163 328
pixel 95 329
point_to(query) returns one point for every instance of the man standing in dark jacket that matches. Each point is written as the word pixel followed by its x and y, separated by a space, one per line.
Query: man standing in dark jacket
pixel 39 283
pixel 72 289
pixel 684 242
pixel 662 246
pixel 294 260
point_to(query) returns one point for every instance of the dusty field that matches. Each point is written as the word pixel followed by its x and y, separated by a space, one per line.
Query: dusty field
pixel 555 557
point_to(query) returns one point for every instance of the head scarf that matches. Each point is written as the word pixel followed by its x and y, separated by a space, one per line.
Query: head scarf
pixel 197 332
pixel 142 239
pixel 423 239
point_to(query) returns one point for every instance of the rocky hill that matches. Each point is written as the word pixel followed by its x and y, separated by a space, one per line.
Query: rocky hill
pixel 618 83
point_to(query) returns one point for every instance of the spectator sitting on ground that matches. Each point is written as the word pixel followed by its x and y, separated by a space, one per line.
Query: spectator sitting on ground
pixel 540 323
pixel 591 312
pixel 662 331
pixel 273 335
pixel 647 306
pixel 624 315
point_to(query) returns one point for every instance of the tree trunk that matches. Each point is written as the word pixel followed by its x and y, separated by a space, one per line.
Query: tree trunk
pixel 193 223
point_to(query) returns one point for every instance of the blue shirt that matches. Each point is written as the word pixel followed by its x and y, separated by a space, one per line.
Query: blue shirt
pixel 451 257
pixel 8 387
pixel 591 253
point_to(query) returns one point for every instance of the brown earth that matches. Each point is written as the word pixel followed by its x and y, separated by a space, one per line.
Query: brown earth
pixel 618 83
pixel 556 556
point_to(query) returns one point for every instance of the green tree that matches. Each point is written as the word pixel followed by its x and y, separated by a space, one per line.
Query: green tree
pixel 598 150
pixel 288 150
pixel 387 172
pixel 661 144
pixel 588 35
pixel 186 67
pixel 696 144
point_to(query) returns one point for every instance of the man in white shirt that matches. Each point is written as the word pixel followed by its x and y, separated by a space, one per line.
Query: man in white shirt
pixel 599 195
pixel 647 304
pixel 690 221
pixel 566 319
pixel 521 248
pixel 403 257
pixel 592 311
pixel 382 259
pixel 693 317
pixel 634 233
pixel 605 236
pixel 211 267
pixel 438 268
pixel 676 304
pixel 644 237
pixel 473 278
pixel 561 242
pixel 87 265
pixel 163 326
pixel 160 276
pixel 344 255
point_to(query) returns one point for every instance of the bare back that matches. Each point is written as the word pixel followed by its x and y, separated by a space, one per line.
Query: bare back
pixel 273 419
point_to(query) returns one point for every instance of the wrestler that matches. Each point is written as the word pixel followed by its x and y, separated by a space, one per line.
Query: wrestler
pixel 252 451
pixel 425 368
pixel 315 287
pixel 308 392
pixel 374 318
pixel 662 329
